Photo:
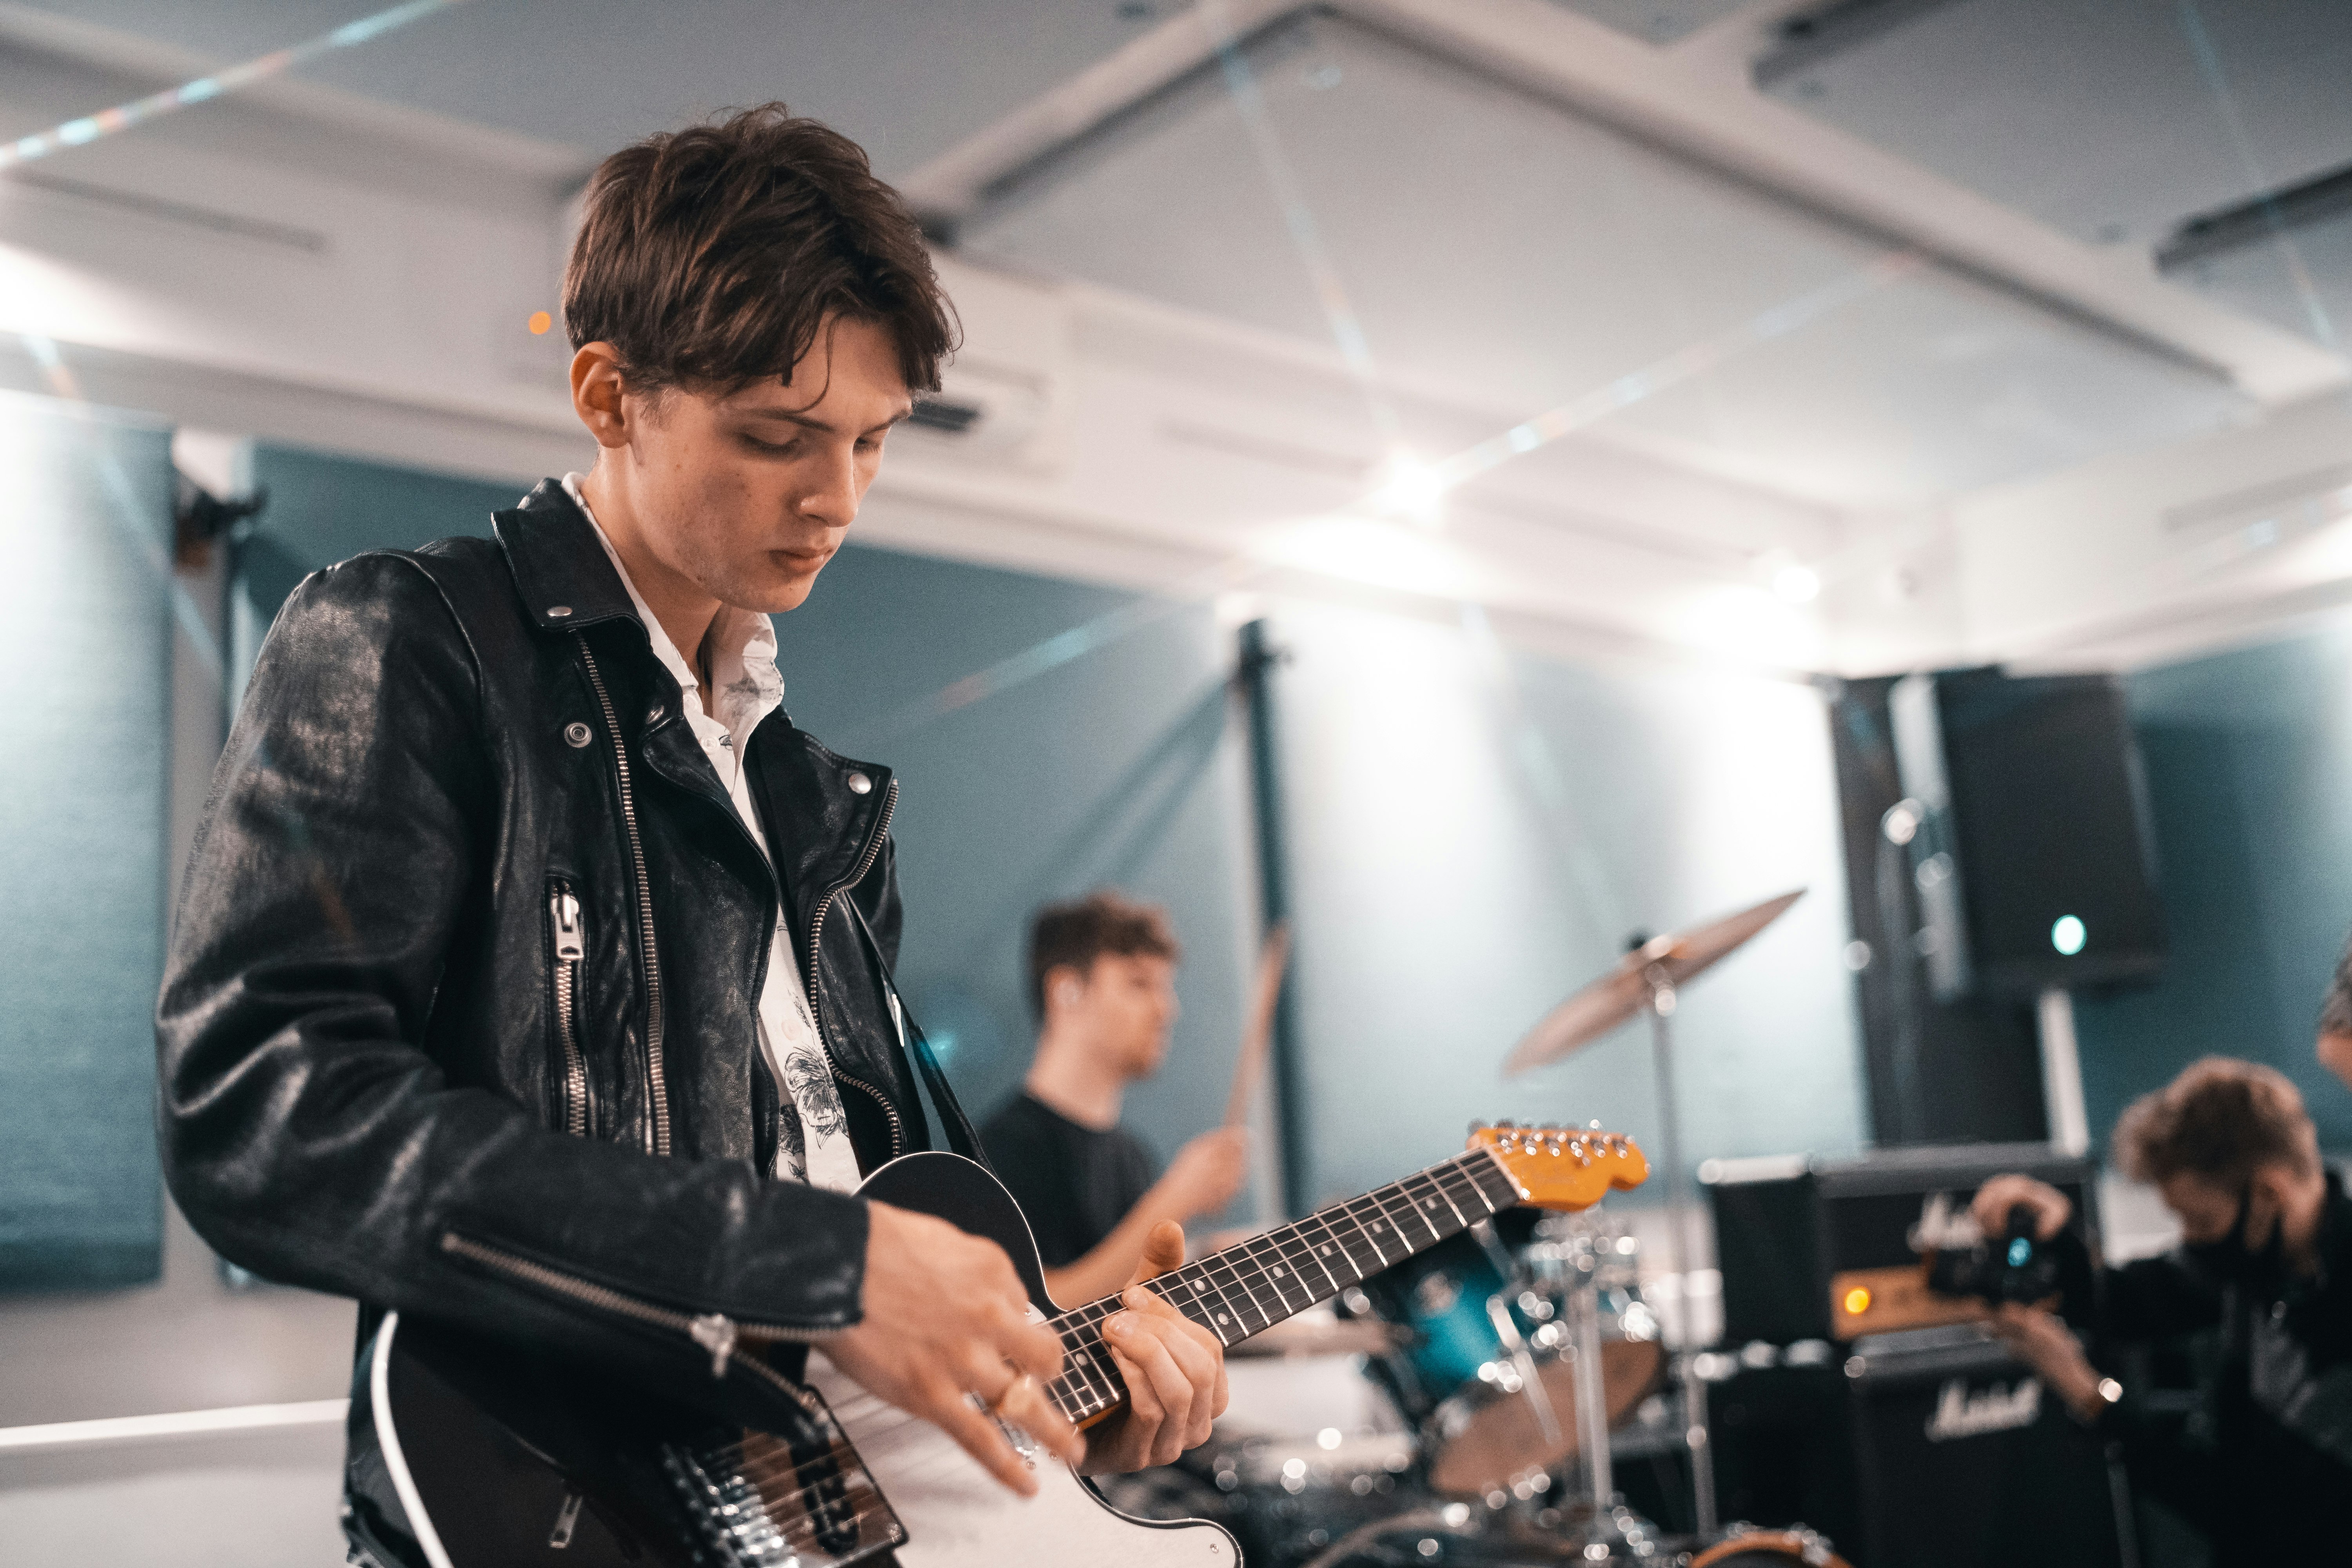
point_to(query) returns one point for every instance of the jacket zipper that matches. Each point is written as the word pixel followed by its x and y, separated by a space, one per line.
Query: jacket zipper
pixel 714 1331
pixel 808 970
pixel 657 1082
pixel 570 953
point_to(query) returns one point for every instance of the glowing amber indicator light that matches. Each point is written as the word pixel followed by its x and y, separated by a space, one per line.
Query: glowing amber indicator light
pixel 539 324
pixel 1857 1301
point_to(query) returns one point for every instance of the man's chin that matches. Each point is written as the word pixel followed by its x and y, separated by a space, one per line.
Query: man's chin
pixel 772 596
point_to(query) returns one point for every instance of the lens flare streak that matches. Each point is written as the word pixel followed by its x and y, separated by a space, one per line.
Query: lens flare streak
pixel 203 89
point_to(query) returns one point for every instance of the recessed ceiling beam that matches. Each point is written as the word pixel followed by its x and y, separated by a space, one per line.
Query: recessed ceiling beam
pixel 1664 98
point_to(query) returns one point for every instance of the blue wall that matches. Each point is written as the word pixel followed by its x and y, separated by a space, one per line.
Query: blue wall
pixel 85 532
pixel 2249 759
pixel 1476 831
pixel 324 509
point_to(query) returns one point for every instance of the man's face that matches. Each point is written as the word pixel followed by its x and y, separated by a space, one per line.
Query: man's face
pixel 750 494
pixel 2206 1209
pixel 1127 1005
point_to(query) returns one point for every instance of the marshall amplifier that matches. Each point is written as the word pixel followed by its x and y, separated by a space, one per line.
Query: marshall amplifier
pixel 1926 1450
pixel 1832 1249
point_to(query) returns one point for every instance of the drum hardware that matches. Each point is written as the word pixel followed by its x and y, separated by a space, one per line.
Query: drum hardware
pixel 1649 978
pixel 1745 1546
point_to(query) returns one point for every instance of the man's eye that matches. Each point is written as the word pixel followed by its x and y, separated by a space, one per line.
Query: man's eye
pixel 773 448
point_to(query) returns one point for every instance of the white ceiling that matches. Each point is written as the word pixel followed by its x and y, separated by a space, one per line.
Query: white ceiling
pixel 908 79
pixel 1913 270
pixel 2117 120
pixel 1498 245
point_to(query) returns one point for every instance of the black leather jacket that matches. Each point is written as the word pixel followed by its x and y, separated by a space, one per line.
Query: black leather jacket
pixel 2261 1461
pixel 458 1017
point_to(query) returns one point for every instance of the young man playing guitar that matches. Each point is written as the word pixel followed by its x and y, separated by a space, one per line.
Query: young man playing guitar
pixel 532 972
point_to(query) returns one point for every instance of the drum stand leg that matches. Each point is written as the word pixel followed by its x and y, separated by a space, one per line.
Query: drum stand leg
pixel 1592 1399
pixel 1683 1229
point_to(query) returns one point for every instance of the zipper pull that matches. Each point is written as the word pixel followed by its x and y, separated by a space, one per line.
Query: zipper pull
pixel 715 1332
pixel 568 942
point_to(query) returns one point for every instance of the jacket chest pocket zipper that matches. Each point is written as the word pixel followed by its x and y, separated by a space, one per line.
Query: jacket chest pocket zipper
pixel 571 957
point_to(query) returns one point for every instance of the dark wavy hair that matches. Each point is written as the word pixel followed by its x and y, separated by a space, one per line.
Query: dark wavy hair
pixel 710 257
pixel 1075 934
pixel 2221 1120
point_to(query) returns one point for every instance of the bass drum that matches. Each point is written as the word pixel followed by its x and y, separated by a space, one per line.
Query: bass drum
pixel 1479 1317
pixel 1747 1548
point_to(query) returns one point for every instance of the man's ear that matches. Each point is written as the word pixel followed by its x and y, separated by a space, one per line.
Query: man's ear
pixel 598 393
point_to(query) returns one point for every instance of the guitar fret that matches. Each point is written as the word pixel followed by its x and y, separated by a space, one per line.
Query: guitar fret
pixel 1266 1320
pixel 1222 1291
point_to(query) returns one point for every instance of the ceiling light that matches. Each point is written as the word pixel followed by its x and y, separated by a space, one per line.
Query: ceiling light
pixel 1411 486
pixel 1797 584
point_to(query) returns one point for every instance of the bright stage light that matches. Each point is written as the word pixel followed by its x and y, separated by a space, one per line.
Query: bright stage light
pixel 2067 934
pixel 1411 486
pixel 1797 584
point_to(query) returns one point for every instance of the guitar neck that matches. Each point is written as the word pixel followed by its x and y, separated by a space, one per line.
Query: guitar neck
pixel 1251 1286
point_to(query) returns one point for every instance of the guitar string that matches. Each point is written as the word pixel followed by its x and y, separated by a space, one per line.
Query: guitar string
pixel 1289 1243
pixel 1295 1243
pixel 1256 1250
pixel 1273 1243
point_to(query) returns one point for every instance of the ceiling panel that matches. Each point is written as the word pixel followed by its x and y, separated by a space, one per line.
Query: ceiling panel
pixel 1656 21
pixel 2301 279
pixel 1493 244
pixel 2111 120
pixel 907 79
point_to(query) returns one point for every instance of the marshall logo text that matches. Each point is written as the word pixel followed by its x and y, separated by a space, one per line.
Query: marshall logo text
pixel 1960 1414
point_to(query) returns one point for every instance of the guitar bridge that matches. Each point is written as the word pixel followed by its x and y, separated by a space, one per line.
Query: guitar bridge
pixel 765 1502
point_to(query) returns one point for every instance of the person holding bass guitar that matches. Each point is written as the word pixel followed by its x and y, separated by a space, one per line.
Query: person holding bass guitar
pixel 531 974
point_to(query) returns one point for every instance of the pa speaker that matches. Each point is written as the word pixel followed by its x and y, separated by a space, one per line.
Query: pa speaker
pixel 2033 857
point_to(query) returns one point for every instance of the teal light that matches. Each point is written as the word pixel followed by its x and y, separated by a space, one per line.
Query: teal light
pixel 2021 1253
pixel 2066 934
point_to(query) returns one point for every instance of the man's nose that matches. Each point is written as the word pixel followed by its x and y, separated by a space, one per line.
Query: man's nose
pixel 832 496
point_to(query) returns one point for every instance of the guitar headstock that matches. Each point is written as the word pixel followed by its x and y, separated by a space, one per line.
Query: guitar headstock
pixel 1563 1167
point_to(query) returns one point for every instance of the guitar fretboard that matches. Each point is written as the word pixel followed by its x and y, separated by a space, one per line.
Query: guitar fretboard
pixel 1251 1286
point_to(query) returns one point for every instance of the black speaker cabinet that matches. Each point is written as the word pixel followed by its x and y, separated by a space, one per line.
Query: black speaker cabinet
pixel 2035 862
pixel 1938 1454
pixel 1830 1249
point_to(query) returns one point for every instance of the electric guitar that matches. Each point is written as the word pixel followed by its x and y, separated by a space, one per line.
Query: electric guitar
pixel 494 1460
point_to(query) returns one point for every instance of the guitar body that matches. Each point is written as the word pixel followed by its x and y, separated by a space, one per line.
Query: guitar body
pixel 491 1458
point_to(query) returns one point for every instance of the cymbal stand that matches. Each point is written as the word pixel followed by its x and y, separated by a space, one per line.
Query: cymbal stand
pixel 1683 1230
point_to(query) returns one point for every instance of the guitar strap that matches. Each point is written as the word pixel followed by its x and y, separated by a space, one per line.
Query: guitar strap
pixel 944 1104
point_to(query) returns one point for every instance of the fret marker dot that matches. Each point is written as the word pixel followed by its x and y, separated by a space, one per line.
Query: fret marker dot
pixel 1222 1318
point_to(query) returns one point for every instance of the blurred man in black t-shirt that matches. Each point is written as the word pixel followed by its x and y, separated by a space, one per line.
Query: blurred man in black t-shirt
pixel 1102 977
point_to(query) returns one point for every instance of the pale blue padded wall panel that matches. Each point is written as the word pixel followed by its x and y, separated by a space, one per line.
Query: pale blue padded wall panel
pixel 1475 831
pixel 1113 766
pixel 84 534
pixel 2249 758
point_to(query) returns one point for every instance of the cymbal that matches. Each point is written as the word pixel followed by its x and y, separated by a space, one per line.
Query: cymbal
pixel 1624 990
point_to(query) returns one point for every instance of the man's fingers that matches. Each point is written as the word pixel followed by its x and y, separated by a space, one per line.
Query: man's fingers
pixel 1149 1363
pixel 1033 1347
pixel 1163 1250
pixel 1028 1406
pixel 979 1436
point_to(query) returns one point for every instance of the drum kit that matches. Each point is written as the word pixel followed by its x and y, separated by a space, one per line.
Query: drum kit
pixel 1524 1363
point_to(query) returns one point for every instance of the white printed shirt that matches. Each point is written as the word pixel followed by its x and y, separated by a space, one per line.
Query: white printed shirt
pixel 813 1143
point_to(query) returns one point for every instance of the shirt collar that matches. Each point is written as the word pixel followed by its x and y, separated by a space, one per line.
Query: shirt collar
pixel 742 645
